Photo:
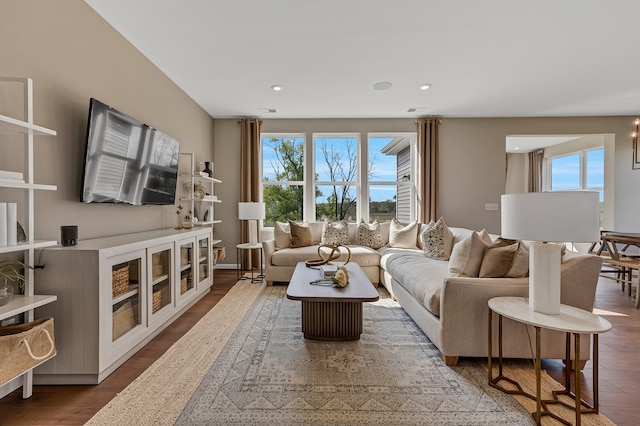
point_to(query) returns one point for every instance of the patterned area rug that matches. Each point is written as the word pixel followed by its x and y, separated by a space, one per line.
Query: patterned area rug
pixel 268 373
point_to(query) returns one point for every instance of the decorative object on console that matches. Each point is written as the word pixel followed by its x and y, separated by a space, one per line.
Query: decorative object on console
pixel 253 212
pixel 543 217
pixel 208 170
pixel 69 235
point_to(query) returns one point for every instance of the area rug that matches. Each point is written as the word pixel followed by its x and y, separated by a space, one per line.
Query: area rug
pixel 246 362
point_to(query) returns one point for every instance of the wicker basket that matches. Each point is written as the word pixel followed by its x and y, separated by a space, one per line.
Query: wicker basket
pixel 183 285
pixel 120 280
pixel 23 346
pixel 157 301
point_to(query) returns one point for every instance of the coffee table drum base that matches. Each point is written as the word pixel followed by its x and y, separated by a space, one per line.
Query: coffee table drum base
pixel 332 320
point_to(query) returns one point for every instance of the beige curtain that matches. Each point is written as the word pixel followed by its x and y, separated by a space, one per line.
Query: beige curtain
pixel 428 164
pixel 535 170
pixel 249 177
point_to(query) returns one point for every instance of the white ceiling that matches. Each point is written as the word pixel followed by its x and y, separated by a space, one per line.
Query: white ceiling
pixel 491 58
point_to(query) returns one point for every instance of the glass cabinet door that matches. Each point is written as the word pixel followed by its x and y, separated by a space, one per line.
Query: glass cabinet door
pixel 160 297
pixel 126 299
pixel 186 284
pixel 204 262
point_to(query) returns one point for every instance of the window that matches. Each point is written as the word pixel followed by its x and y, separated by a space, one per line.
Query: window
pixel 390 171
pixel 336 176
pixel 330 175
pixel 582 170
pixel 283 177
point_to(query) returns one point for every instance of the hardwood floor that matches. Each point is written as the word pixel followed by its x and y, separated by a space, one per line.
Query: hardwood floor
pixel 74 405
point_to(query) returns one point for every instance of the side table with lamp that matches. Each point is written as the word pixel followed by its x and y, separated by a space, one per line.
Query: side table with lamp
pixel 251 212
pixel 543 217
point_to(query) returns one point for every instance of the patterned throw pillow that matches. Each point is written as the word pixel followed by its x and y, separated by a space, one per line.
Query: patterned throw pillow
pixel 403 236
pixel 335 233
pixel 437 241
pixel 369 235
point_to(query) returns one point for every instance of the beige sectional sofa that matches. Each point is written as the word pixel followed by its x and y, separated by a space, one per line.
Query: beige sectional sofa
pixel 451 310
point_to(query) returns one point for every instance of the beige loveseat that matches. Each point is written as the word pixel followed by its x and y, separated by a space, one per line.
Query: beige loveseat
pixel 452 311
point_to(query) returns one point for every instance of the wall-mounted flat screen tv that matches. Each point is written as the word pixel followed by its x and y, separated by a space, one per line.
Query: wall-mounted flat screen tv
pixel 127 161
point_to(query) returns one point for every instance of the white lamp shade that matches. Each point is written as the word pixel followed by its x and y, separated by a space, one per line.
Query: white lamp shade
pixel 250 210
pixel 558 216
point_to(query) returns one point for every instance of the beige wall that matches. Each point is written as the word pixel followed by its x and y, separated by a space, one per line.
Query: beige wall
pixel 472 164
pixel 72 54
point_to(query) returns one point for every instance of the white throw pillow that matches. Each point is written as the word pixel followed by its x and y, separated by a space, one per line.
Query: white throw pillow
pixel 336 233
pixel 467 254
pixel 282 235
pixel 403 236
pixel 437 241
pixel 369 235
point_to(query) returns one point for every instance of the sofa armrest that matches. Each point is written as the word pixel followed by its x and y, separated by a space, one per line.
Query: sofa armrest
pixel 269 247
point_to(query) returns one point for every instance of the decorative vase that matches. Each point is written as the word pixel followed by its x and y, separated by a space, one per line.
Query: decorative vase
pixel 6 293
pixel 207 170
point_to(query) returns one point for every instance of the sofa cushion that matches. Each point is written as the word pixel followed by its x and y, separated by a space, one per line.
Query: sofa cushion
pixel 335 233
pixel 363 256
pixel 421 277
pixel 369 235
pixel 282 235
pixel 300 235
pixel 437 240
pixel 466 256
pixel 505 258
pixel 403 236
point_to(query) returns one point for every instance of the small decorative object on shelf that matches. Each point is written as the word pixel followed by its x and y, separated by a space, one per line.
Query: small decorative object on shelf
pixel 179 213
pixel 208 170
pixel 11 271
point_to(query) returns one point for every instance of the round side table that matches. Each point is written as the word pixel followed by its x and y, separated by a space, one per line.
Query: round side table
pixel 573 322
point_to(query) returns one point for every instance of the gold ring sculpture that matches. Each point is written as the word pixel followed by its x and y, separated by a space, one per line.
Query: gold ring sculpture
pixel 333 255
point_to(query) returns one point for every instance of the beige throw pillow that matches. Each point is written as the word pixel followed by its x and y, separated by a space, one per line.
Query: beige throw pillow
pixel 282 235
pixel 336 233
pixel 505 259
pixel 369 235
pixel 403 236
pixel 467 254
pixel 300 235
pixel 437 241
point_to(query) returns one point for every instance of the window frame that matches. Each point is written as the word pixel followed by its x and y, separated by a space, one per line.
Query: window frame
pixel 583 171
pixel 361 183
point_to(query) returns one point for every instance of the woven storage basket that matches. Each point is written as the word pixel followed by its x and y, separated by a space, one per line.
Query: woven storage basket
pixel 120 280
pixel 183 285
pixel 23 346
pixel 157 301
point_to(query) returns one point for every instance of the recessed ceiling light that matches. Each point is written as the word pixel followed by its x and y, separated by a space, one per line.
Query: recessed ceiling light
pixel 383 85
pixel 517 148
pixel 425 86
pixel 276 87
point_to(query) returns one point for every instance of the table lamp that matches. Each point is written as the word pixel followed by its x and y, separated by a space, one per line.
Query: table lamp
pixel 253 212
pixel 545 217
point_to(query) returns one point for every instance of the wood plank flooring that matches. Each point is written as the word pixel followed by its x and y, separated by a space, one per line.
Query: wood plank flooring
pixel 74 405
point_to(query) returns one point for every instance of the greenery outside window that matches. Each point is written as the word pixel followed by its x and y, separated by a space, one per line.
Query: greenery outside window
pixel 283 179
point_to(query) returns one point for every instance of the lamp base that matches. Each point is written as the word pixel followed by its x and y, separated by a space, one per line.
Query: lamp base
pixel 544 278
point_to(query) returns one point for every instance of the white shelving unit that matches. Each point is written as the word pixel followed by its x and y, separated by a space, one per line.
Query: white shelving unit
pixel 199 205
pixel 24 304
